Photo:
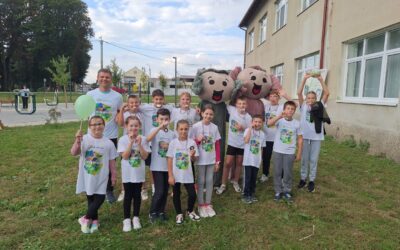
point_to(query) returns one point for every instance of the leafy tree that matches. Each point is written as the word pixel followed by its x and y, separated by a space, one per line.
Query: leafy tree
pixel 116 71
pixel 143 81
pixel 163 81
pixel 60 74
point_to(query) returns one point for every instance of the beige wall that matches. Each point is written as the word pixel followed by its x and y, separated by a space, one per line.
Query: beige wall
pixel 377 124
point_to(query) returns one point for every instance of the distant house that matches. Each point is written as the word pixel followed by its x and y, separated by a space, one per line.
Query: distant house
pixel 131 79
pixel 357 41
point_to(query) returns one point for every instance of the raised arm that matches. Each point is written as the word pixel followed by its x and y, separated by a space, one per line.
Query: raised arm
pixel 247 135
pixel 171 179
pixel 76 147
pixel 325 90
pixel 299 147
pixel 272 121
pixel 120 115
pixel 300 90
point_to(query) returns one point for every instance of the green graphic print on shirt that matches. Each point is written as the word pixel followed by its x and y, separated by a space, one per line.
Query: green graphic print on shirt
pixel 93 162
pixel 254 146
pixel 134 159
pixel 286 136
pixel 233 126
pixel 162 148
pixel 154 120
pixel 207 143
pixel 104 111
pixel 182 160
pixel 308 117
pixel 268 116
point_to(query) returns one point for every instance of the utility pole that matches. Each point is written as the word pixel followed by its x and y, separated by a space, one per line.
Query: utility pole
pixel 148 85
pixel 101 52
pixel 176 83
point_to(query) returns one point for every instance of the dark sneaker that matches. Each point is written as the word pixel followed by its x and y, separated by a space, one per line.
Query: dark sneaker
pixel 162 217
pixel 110 197
pixel 277 197
pixel 311 187
pixel 153 217
pixel 288 197
pixel 246 199
pixel 302 184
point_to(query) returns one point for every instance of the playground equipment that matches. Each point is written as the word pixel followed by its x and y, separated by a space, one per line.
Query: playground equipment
pixel 54 102
pixel 31 103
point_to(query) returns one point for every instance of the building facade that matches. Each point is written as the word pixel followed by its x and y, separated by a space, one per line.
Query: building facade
pixel 357 41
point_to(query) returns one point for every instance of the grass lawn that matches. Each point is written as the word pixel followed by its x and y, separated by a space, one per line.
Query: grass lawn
pixel 356 204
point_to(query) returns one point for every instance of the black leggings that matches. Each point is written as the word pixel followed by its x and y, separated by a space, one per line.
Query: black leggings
pixel 94 203
pixel 159 200
pixel 177 197
pixel 250 179
pixel 110 187
pixel 266 157
pixel 132 193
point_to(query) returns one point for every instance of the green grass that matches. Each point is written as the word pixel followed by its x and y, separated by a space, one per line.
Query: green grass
pixel 356 205
pixel 40 96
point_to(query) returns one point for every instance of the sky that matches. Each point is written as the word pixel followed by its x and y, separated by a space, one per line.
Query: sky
pixel 200 33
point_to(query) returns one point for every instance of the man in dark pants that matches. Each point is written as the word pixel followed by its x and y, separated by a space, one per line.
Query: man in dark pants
pixel 108 103
pixel 24 92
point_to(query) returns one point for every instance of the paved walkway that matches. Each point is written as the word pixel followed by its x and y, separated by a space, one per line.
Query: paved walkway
pixel 11 118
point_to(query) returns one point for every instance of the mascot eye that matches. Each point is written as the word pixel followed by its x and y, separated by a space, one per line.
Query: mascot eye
pixel 224 83
pixel 253 78
pixel 211 82
pixel 264 80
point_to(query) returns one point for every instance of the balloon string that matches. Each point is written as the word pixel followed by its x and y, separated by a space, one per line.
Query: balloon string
pixel 80 127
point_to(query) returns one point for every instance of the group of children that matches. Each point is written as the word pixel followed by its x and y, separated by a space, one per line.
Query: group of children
pixel 191 151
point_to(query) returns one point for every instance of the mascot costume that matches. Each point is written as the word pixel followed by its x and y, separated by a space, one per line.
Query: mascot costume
pixel 215 87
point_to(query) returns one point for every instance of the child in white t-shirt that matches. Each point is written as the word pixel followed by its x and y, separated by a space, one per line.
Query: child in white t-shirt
pixel 254 139
pixel 131 108
pixel 288 133
pixel 181 152
pixel 312 139
pixel 134 149
pixel 207 137
pixel 239 120
pixel 160 139
pixel 185 112
pixel 97 160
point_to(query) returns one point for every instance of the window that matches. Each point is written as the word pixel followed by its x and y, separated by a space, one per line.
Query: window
pixel 306 3
pixel 372 69
pixel 305 64
pixel 251 41
pixel 281 13
pixel 278 72
pixel 263 30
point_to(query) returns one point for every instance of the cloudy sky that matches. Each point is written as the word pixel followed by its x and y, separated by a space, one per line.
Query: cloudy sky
pixel 200 33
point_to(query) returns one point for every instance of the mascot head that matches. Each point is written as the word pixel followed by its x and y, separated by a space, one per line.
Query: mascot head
pixel 215 86
pixel 256 83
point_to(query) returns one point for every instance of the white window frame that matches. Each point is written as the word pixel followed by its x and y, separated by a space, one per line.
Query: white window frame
pixel 278 7
pixel 304 69
pixel 263 29
pixel 304 4
pixel 380 100
pixel 277 70
pixel 251 41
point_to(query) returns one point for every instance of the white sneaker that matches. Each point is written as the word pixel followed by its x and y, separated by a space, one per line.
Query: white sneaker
pixel 202 211
pixel 210 211
pixel 221 189
pixel 85 225
pixel 236 187
pixel 127 226
pixel 263 178
pixel 193 216
pixel 179 219
pixel 121 196
pixel 136 223
pixel 95 226
pixel 144 194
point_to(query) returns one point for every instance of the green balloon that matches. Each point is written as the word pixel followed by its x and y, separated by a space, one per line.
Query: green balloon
pixel 85 106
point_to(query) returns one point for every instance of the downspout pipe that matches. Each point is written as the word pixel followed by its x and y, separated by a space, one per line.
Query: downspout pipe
pixel 322 50
pixel 245 45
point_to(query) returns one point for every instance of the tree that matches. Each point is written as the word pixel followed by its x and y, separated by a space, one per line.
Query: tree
pixel 163 81
pixel 60 74
pixel 143 81
pixel 116 72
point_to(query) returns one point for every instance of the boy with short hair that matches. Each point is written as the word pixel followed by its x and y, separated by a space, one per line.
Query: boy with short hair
pixel 288 133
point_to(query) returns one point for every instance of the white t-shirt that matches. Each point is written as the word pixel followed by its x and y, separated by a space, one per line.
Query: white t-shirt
pixel 139 115
pixel 94 164
pixel 150 116
pixel 189 115
pixel 132 170
pixel 270 112
pixel 253 149
pixel 235 137
pixel 286 136
pixel 207 146
pixel 179 151
pixel 159 148
pixel 308 127
pixel 107 105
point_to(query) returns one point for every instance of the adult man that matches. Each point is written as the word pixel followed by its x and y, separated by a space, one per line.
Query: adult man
pixel 108 102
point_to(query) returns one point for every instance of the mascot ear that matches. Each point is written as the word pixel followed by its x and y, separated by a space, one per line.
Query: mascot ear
pixel 238 85
pixel 197 86
pixel 235 72
pixel 257 67
pixel 275 83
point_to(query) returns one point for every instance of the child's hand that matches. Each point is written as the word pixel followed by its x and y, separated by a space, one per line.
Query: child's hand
pixel 282 92
pixel 192 152
pixel 171 180
pixel 124 107
pixel 198 111
pixel 78 136
pixel 320 78
pixel 306 76
pixel 200 138
pixel 131 137
pixel 139 140
pixel 165 124
pixel 216 167
pixel 298 157
pixel 113 180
